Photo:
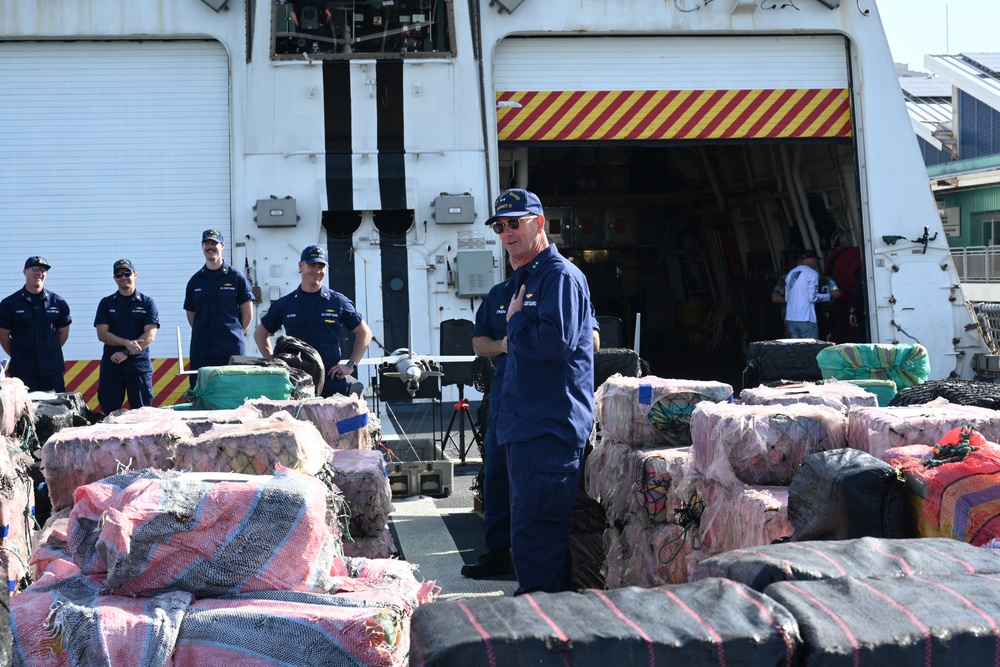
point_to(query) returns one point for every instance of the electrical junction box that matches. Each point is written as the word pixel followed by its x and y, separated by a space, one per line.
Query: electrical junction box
pixel 454 209
pixel 474 272
pixel 275 212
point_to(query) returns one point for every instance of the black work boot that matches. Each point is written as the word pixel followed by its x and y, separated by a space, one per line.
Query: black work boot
pixel 493 563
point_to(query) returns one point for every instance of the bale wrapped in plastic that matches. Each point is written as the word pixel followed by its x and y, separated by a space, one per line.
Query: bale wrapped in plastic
pixel 783 359
pixel 653 411
pixel 17 512
pixel 617 554
pixel 80 455
pixel 373 546
pixel 906 364
pixel 51 542
pixel 14 405
pixel 883 390
pixel 227 387
pixel 198 421
pixel 740 517
pixel 688 624
pixel 932 620
pixel 659 553
pixel 761 444
pixel 54 412
pixel 362 479
pixel 759 567
pixel 605 477
pixel 344 421
pixel 211 535
pixel 833 394
pixel 876 430
pixel 958 482
pixel 255 448
pixel 846 493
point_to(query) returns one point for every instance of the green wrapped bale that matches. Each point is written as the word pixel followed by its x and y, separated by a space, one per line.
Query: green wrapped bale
pixel 884 390
pixel 227 387
pixel 906 364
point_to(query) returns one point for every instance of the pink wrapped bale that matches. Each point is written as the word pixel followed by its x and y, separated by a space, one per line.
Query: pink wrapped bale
pixel 362 479
pixel 198 421
pixel 833 394
pixel 617 556
pixel 17 511
pixel 14 405
pixel 80 455
pixel 631 482
pixel 256 448
pixel 735 518
pixel 606 478
pixel 375 546
pixel 664 474
pixel 649 411
pixel 343 421
pixel 51 543
pixel 761 445
pixel 209 535
pixel 68 623
pixel 877 430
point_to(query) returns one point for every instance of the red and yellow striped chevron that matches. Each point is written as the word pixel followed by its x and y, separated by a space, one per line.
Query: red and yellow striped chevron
pixel 168 386
pixel 673 114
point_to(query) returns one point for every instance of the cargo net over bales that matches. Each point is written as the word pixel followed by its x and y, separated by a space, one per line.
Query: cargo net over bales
pixel 158 568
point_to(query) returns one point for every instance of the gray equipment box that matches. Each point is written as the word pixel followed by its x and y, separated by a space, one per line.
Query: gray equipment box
pixel 454 209
pixel 424 478
pixel 276 212
pixel 475 272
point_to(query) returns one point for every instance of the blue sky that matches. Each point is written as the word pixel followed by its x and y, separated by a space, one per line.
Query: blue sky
pixel 918 27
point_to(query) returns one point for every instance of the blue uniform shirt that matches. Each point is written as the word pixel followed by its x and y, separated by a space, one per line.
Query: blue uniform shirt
pixel 491 321
pixel 34 321
pixel 127 317
pixel 215 298
pixel 315 318
pixel 549 384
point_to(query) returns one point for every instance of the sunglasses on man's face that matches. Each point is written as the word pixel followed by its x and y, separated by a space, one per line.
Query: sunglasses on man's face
pixel 513 223
pixel 123 274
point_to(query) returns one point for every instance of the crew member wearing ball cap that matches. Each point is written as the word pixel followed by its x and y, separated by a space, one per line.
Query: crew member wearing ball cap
pixel 801 296
pixel 315 315
pixel 34 325
pixel 547 403
pixel 219 307
pixel 126 323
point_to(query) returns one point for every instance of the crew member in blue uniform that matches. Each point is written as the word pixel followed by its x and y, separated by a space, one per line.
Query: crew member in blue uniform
pixel 219 307
pixel 126 323
pixel 315 314
pixel 547 403
pixel 34 326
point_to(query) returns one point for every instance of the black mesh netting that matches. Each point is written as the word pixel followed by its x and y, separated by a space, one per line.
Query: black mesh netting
pixel 671 415
pixel 300 355
pixel 960 392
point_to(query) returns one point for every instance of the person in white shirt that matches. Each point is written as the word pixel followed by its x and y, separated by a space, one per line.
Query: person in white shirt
pixel 801 296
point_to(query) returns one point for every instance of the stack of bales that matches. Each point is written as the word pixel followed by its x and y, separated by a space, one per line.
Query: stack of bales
pixel 154 567
pixel 17 500
pixel 362 477
pixel 639 471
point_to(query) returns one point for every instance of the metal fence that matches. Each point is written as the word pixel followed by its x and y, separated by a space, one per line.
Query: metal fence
pixel 977 264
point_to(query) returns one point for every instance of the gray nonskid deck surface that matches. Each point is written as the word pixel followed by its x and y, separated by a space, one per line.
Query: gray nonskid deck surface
pixel 439 535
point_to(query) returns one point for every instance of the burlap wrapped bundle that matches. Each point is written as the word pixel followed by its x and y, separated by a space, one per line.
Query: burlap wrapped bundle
pixel 198 421
pixel 14 405
pixel 361 477
pixel 343 421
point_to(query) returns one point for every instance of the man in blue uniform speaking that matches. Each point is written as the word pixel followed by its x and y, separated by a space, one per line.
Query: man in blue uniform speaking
pixel 547 403
pixel 219 307
pixel 315 314
pixel 126 323
pixel 34 325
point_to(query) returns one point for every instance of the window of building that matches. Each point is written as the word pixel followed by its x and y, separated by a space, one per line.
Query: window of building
pixel 335 29
pixel 991 227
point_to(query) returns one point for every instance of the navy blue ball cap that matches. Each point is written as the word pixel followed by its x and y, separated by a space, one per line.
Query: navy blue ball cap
pixel 123 264
pixel 514 204
pixel 212 235
pixel 315 255
pixel 37 260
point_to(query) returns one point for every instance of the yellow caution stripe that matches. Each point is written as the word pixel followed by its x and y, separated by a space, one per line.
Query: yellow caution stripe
pixel 673 114
pixel 168 386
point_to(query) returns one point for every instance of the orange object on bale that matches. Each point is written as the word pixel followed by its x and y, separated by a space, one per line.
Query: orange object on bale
pixel 959 483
